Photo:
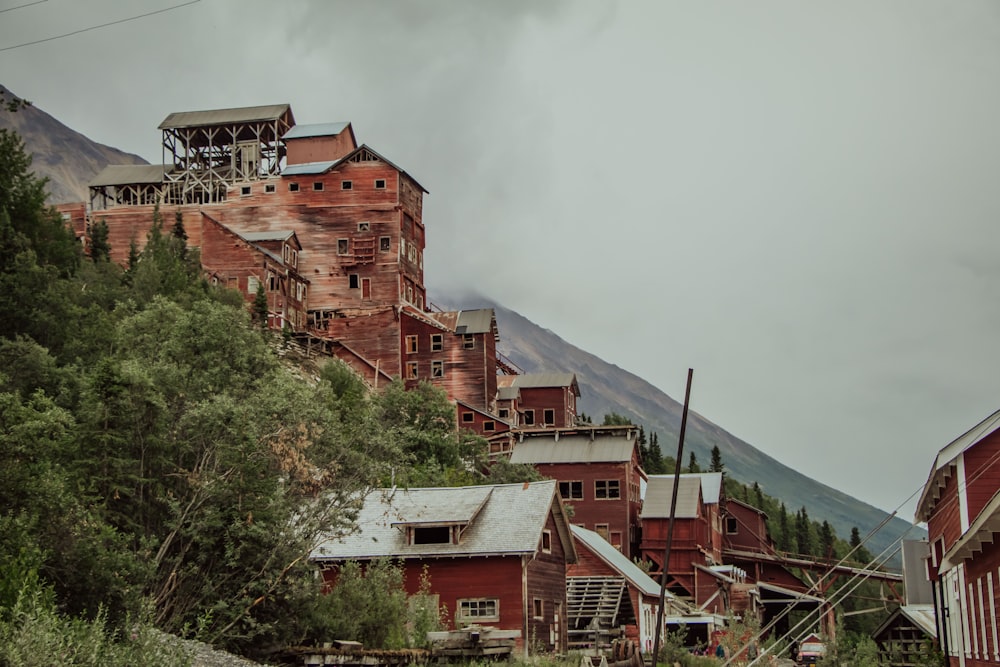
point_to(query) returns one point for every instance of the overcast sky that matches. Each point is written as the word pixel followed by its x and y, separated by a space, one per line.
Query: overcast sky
pixel 798 200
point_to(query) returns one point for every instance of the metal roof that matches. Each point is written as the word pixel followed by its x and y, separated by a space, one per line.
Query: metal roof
pixel 508 393
pixel 536 380
pixel 225 116
pixel 982 530
pixel 510 522
pixel 474 321
pixel 573 449
pixel 603 549
pixel 659 490
pixel 129 174
pixel 276 235
pixel 711 485
pixel 921 615
pixel 945 458
pixel 315 130
pixel 309 168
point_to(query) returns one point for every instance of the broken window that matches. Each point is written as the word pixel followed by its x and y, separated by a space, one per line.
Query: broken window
pixel 364 226
pixel 571 490
pixel 437 342
pixel 411 344
pixel 602 530
pixel 529 417
pixel 537 609
pixel 343 246
pixel 437 369
pixel 384 244
pixel 469 341
pixel 411 370
pixel 252 284
pixel 607 489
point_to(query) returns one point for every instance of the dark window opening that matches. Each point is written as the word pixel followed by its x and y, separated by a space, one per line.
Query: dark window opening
pixel 434 535
pixel 245 190
pixel 571 490
pixel 732 527
pixel 469 342
pixel 384 244
pixel 380 184
pixel 343 246
pixel 467 417
pixel 529 417
pixel 293 187
pixel 353 281
pixel 607 489
pixel 317 186
pixel 489 425
pixel 549 416
pixel 269 188
pixel 346 185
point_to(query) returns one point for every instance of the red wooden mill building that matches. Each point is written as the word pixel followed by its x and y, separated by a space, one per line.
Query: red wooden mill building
pixel 333 233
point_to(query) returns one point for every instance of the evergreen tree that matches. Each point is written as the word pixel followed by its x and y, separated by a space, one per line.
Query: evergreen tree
pixel 785 541
pixel 260 309
pixel 803 533
pixel 716 464
pixel 658 463
pixel 97 237
pixel 693 466
pixel 615 419
pixel 758 496
pixel 827 541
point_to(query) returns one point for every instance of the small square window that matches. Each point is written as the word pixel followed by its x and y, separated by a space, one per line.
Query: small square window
pixel 468 417
pixel 469 341
pixel 489 426
pixel 437 342
pixel 343 246
pixel 353 281
pixel 411 370
pixel 437 369
pixel 318 186
pixel 269 188
pixel 380 184
pixel 411 344
pixel 293 187
pixel 364 226
pixel 346 185
pixel 245 190
pixel 384 244
pixel 503 413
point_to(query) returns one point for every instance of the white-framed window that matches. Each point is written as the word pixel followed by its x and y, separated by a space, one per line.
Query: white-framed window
pixel 364 226
pixel 380 184
pixel 478 609
pixel 346 185
pixel 437 369
pixel 411 345
pixel 468 417
pixel 343 246
pixel 252 284
pixel 529 417
pixel 412 370
pixel 293 187
pixel 437 342
pixel 547 541
pixel 607 489
pixel 537 609
pixel 489 426
pixel 469 341
pixel 269 188
pixel 318 186
pixel 571 490
pixel 384 244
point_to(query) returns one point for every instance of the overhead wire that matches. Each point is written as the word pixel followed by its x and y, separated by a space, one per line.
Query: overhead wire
pixel 97 27
pixel 27 4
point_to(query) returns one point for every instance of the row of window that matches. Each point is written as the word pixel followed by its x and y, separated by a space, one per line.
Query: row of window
pixel 604 489
pixel 344 245
pixel 489 425
pixel 298 289
pixel 317 186
pixel 437 343
pixel 413 370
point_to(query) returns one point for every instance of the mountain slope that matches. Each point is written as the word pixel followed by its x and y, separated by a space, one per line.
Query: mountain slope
pixel 67 158
pixel 607 388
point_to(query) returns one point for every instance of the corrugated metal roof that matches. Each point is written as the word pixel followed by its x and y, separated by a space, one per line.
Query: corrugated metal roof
pixel 711 485
pixel 309 168
pixel 617 560
pixel 315 130
pixel 474 321
pixel 225 116
pixel 129 174
pixel 510 522
pixel 922 615
pixel 275 235
pixel 659 490
pixel 573 449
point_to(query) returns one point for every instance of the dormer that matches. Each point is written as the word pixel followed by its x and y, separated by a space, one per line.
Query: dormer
pixel 323 142
pixel 442 522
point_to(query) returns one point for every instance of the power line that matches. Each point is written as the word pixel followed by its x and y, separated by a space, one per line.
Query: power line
pixel 27 4
pixel 97 27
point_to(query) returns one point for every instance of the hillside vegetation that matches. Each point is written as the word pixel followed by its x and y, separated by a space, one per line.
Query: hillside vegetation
pixel 159 467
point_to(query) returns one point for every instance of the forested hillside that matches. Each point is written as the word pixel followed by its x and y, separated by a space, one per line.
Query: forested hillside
pixel 159 466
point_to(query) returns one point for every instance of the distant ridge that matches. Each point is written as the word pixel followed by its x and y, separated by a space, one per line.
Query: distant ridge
pixel 67 158
pixel 607 388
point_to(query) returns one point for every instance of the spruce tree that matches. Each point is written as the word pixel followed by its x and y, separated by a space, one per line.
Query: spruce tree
pixel 716 464
pixel 693 466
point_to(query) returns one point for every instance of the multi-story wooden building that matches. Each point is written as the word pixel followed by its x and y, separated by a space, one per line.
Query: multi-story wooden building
pixel 542 399
pixel 961 505
pixel 599 474
pixel 496 555
pixel 332 229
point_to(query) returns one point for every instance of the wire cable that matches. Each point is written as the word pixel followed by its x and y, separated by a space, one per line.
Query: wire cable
pixel 96 27
pixel 27 4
